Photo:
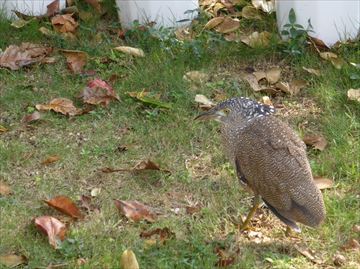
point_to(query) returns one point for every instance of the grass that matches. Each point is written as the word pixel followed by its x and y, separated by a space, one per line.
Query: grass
pixel 89 142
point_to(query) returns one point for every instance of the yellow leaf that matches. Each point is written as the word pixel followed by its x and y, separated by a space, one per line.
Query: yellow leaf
pixel 213 22
pixel 128 260
pixel 354 94
pixel 131 51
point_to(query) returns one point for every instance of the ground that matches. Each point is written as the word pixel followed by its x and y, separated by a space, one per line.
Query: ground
pixel 128 131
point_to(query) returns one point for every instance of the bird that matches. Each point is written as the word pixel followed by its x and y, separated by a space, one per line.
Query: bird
pixel 270 160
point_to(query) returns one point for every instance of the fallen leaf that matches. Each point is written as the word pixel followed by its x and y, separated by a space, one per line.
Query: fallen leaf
pixel 98 92
pixel 266 6
pixel 131 51
pixel 65 205
pixel 35 116
pixel 76 60
pixel 145 98
pixel 352 244
pixel 161 234
pixel 204 102
pixel 135 210
pixel 53 228
pixel 318 43
pixel 46 32
pixel 50 160
pixel 85 203
pixel 224 259
pixel 196 77
pixel 60 105
pixel 5 190
pixel 95 192
pixel 339 260
pixel 249 12
pixel 323 183
pixel 20 23
pixel 53 8
pixel 315 72
pixel 259 75
pixel 228 25
pixel 356 229
pixel 64 23
pixel 253 82
pixel 354 94
pixel 12 260
pixel 128 260
pixel 316 141
pixel 191 210
pixel 214 22
pixel 95 4
pixel 307 253
pixel 273 75
pixel 3 129
pixel 291 88
pixel 257 39
pixel 327 55
pixel 146 165
pixel 266 100
pixel 14 57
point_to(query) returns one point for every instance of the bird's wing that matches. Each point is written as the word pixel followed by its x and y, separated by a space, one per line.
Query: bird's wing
pixel 273 161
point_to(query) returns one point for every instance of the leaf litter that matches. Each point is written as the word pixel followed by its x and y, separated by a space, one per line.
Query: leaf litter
pixel 65 205
pixel 98 92
pixel 5 189
pixel 53 228
pixel 316 141
pixel 76 60
pixel 61 105
pixel 135 211
pixel 13 260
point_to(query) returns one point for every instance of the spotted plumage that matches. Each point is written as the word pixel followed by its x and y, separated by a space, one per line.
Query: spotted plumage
pixel 270 159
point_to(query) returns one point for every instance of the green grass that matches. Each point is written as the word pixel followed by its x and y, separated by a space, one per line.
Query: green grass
pixel 88 143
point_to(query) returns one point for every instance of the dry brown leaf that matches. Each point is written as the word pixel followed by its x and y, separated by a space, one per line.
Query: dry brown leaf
pixel 323 183
pixel 50 160
pixel 12 260
pixel 35 116
pixel 228 25
pixel 273 75
pixel 214 22
pixel 5 190
pixel 53 228
pixel 95 4
pixel 128 260
pixel 53 8
pixel 61 105
pixel 65 205
pixel 160 234
pixel 316 141
pixel 352 244
pixel 98 92
pixel 15 57
pixel 253 82
pixel 3 129
pixel 64 23
pixel 249 12
pixel 293 87
pixel 315 72
pixel 354 94
pixel 257 39
pixel 259 75
pixel 191 210
pixel 308 253
pixel 135 210
pixel 131 51
pixel 76 60
pixel 204 102
pixel 146 165
pixel 266 100
pixel 225 259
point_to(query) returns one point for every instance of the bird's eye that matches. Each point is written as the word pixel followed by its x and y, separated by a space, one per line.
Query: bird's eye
pixel 226 111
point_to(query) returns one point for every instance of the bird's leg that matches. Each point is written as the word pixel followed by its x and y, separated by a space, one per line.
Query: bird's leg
pixel 256 204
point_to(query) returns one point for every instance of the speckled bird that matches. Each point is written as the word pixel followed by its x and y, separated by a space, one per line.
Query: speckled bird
pixel 270 159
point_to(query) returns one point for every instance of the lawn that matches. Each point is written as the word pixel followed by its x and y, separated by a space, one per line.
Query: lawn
pixel 199 200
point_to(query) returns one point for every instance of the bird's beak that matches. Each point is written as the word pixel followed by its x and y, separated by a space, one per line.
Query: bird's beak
pixel 210 115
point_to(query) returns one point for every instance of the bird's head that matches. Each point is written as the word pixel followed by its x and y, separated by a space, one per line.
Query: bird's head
pixel 237 108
